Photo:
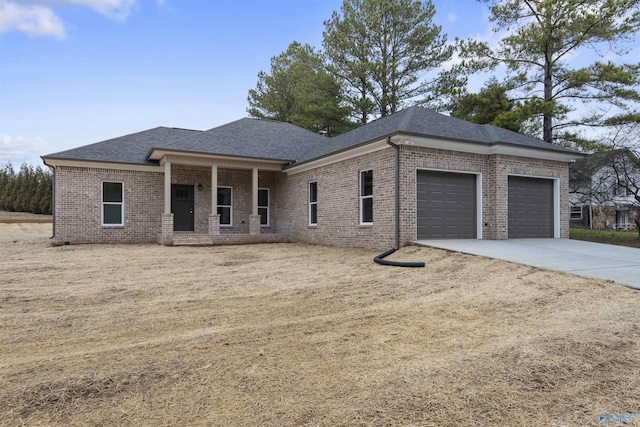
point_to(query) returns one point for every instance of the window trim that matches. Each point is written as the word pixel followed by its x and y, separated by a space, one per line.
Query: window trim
pixel 573 209
pixel 103 203
pixel 621 189
pixel 363 197
pixel 264 207
pixel 619 214
pixel 225 206
pixel 312 224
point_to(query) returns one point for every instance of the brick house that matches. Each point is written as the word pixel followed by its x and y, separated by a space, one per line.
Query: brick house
pixel 413 175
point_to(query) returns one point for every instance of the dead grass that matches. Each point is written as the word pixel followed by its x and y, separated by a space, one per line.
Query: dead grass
pixel 296 335
pixel 23 217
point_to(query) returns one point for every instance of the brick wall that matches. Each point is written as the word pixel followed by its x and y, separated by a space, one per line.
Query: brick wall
pixel 78 205
pixel 339 203
pixel 240 182
pixel 78 198
pixel 494 169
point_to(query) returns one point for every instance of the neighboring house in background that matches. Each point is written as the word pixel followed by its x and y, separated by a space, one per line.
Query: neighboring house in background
pixel 603 188
pixel 413 175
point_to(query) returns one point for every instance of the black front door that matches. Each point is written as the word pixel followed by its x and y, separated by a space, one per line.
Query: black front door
pixel 182 207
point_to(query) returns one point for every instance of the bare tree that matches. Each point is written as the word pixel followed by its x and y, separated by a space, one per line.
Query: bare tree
pixel 610 180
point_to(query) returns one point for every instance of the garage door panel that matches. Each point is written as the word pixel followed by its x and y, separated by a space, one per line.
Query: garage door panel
pixel 446 205
pixel 530 207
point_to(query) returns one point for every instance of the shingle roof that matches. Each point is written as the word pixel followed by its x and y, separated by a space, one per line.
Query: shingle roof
pixel 421 122
pixel 130 148
pixel 252 138
pixel 272 140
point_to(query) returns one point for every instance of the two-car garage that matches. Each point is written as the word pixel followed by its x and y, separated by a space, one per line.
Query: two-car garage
pixel 448 206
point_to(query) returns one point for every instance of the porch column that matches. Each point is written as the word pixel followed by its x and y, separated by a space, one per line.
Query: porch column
pixel 214 218
pixel 254 220
pixel 167 187
pixel 166 237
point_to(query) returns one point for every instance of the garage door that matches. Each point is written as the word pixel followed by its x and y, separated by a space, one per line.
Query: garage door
pixel 530 207
pixel 446 205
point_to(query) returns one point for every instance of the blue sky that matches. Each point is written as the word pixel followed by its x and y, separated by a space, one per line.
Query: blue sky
pixel 74 72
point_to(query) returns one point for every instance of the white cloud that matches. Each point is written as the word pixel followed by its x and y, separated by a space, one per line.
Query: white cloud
pixel 19 149
pixel 117 10
pixel 452 18
pixel 37 17
pixel 33 20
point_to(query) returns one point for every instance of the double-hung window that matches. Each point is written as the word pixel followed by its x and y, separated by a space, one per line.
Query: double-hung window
pixel 112 204
pixel 225 198
pixel 575 212
pixel 313 203
pixel 263 206
pixel 366 197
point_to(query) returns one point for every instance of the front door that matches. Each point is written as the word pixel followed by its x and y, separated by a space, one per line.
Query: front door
pixel 182 207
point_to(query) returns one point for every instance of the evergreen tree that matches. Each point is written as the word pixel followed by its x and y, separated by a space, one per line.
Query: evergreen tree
pixel 543 36
pixel 300 91
pixel 381 50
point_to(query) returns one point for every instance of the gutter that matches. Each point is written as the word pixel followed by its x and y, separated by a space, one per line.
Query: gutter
pixel 53 197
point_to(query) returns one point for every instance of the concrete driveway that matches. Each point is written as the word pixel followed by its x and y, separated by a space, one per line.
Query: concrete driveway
pixel 617 263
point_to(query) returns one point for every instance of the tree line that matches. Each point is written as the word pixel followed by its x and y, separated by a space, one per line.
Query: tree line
pixel 28 190
pixel 379 56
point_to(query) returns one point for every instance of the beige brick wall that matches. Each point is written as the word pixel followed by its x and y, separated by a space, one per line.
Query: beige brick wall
pixel 240 182
pixel 78 198
pixel 339 203
pixel 494 169
pixel 78 205
pixel 79 208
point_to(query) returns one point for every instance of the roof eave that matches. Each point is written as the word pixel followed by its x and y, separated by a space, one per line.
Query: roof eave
pixel 158 153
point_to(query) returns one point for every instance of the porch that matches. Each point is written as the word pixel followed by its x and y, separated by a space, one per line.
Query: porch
pixel 219 202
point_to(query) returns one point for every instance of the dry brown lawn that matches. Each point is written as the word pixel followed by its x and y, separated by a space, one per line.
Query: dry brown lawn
pixel 297 335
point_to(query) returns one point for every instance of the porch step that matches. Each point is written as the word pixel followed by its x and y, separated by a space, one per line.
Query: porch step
pixel 192 239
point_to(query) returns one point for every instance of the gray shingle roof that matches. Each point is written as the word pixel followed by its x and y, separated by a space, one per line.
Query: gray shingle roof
pixel 421 122
pixel 272 140
pixel 130 148
pixel 252 138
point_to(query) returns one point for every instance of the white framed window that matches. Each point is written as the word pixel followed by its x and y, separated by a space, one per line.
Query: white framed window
pixel 313 203
pixel 225 206
pixel 622 220
pixel 620 189
pixel 112 204
pixel 263 206
pixel 366 197
pixel 575 212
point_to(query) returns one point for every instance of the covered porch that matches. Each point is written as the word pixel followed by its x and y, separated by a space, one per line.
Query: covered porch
pixel 217 201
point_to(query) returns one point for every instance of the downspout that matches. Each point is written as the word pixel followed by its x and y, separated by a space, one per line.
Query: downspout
pixel 379 259
pixel 53 199
pixel 397 190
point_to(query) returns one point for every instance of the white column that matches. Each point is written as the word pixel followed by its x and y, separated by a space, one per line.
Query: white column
pixel 254 210
pixel 214 189
pixel 167 187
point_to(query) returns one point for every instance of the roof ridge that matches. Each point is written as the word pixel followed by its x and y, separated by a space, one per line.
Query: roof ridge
pixel 407 117
pixel 490 131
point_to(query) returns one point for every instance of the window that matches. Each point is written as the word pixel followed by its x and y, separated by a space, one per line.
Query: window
pixel 112 204
pixel 575 212
pixel 225 196
pixel 622 220
pixel 263 206
pixel 366 197
pixel 313 203
pixel 620 189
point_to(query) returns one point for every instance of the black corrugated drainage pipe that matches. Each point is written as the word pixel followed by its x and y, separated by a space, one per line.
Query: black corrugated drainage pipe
pixel 380 258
